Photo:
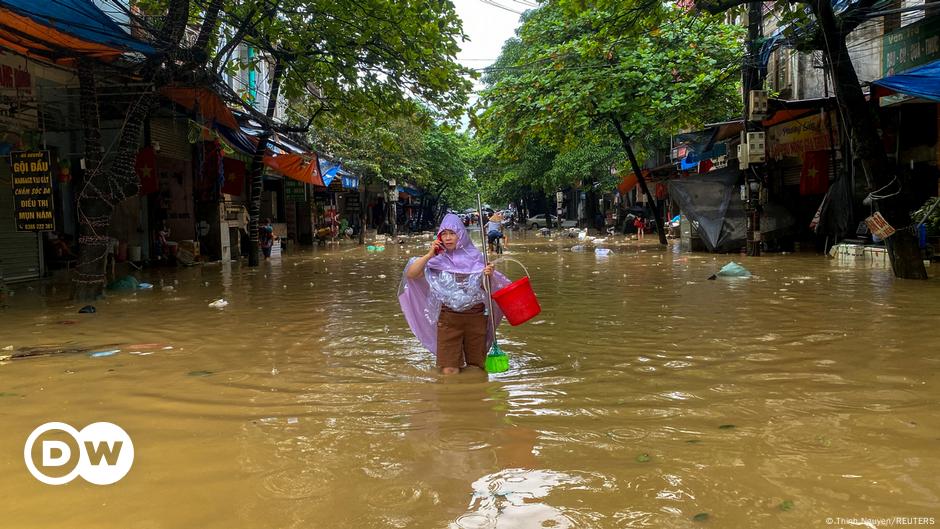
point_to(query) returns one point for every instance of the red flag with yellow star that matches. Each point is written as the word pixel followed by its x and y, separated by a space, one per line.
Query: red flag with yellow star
pixel 234 176
pixel 146 167
pixel 814 180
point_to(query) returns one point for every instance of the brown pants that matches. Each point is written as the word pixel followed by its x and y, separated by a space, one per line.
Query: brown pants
pixel 461 337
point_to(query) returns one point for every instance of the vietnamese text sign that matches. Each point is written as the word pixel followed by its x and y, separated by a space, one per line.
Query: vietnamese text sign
pixel 294 191
pixel 32 191
pixel 912 45
pixel 810 133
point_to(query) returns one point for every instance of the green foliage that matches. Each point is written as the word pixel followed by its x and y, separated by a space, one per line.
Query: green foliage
pixel 350 57
pixel 360 56
pixel 408 148
pixel 550 97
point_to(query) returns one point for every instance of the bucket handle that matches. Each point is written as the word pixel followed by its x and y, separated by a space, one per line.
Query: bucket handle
pixel 513 260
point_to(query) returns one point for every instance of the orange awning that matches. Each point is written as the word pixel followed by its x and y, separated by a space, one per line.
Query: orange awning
pixel 209 104
pixel 303 168
pixel 630 180
pixel 25 36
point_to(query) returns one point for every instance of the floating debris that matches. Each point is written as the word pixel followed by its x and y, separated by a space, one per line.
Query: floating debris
pixel 101 354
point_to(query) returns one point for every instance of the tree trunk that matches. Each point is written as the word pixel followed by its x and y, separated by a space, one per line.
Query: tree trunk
pixel 103 190
pixel 207 29
pixel 257 169
pixel 94 206
pixel 392 212
pixel 867 149
pixel 660 227
pixel 362 213
pixel 174 24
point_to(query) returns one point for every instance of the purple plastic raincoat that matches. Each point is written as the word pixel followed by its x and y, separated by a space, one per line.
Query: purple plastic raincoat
pixel 421 298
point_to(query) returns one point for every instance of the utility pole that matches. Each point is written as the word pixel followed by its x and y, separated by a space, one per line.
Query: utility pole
pixel 753 79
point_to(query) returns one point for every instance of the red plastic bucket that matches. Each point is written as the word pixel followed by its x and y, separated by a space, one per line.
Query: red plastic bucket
pixel 517 301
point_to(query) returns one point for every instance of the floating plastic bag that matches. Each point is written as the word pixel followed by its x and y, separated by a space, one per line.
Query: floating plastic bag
pixel 602 252
pixel 733 269
pixel 124 283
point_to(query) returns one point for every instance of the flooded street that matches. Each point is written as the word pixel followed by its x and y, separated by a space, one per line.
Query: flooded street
pixel 643 395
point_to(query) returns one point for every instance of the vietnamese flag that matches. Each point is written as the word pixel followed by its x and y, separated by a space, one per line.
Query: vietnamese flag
pixel 814 180
pixel 146 168
pixel 234 176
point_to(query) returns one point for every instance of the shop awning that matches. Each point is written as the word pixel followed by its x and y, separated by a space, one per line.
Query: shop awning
pixel 202 101
pixel 303 168
pixel 410 191
pixel 690 148
pixel 62 30
pixel 923 82
pixel 350 181
pixel 329 171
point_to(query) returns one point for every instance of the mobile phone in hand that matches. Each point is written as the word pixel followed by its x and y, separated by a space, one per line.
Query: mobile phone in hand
pixel 439 249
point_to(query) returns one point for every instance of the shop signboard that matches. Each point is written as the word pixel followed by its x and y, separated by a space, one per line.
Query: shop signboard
pixel 32 191
pixel 294 190
pixel 352 204
pixel 911 46
pixel 809 133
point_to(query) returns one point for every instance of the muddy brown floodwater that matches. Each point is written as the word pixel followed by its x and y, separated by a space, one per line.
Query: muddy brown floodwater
pixel 643 395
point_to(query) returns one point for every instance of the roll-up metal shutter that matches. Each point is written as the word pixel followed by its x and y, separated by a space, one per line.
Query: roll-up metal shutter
pixel 173 137
pixel 19 251
pixel 791 175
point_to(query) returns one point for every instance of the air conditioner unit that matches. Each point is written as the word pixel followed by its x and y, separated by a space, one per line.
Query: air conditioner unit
pixel 757 105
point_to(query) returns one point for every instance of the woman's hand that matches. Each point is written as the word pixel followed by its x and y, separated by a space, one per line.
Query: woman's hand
pixel 488 270
pixel 436 247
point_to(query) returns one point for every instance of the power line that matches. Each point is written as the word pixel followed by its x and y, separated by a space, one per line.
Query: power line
pixel 501 6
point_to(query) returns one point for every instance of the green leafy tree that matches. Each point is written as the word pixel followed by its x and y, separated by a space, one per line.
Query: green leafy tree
pixel 631 72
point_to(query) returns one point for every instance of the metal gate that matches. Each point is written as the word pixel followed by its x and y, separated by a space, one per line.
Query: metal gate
pixel 20 258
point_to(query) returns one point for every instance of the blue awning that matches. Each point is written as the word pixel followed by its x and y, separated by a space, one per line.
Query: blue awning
pixel 236 138
pixel 78 18
pixel 350 181
pixel 410 190
pixel 328 170
pixel 923 82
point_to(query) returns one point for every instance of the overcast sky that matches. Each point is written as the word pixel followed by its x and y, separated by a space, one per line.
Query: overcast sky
pixel 488 26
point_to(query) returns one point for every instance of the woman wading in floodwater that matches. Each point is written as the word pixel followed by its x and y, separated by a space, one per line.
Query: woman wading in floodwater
pixel 444 302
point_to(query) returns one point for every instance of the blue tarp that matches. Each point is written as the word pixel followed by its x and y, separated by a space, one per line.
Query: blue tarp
pixel 329 171
pixel 79 18
pixel 779 37
pixel 237 139
pixel 350 181
pixel 923 81
pixel 410 190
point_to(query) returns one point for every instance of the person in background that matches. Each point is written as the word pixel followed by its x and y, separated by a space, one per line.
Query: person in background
pixel 161 242
pixel 266 238
pixel 60 246
pixel 494 230
pixel 639 224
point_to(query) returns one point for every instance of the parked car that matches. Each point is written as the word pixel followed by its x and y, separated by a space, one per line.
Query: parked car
pixel 538 221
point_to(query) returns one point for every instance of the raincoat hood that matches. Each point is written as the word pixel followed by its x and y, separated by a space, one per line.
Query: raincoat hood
pixel 465 258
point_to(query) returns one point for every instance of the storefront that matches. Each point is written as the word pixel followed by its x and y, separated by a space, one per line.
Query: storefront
pixel 20 251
